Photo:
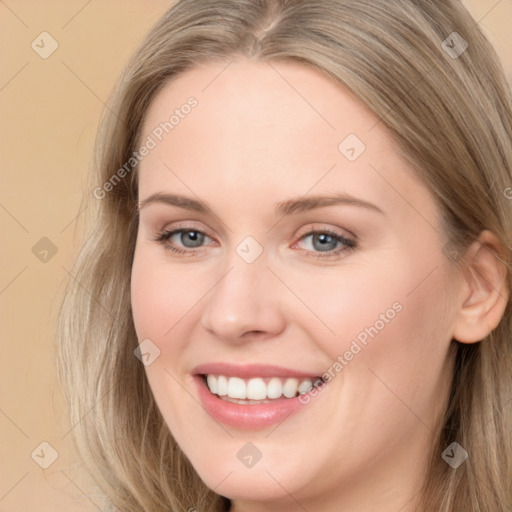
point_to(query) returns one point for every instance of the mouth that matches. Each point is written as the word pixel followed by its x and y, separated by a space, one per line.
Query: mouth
pixel 253 396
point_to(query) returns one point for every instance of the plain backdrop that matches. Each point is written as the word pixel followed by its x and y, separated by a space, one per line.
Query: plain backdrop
pixel 50 107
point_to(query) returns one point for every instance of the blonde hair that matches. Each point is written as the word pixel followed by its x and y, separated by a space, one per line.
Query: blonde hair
pixel 450 117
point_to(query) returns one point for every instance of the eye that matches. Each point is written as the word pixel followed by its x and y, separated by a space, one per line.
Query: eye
pixel 326 243
pixel 190 238
pixel 323 243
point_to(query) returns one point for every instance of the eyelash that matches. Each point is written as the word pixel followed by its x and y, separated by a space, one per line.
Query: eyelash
pixel 348 245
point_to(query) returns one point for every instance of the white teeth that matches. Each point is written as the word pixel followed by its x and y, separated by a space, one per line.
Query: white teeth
pixel 222 385
pixel 290 388
pixel 212 384
pixel 304 386
pixel 274 388
pixel 256 388
pixel 236 388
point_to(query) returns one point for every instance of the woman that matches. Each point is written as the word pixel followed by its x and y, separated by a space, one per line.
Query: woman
pixel 295 295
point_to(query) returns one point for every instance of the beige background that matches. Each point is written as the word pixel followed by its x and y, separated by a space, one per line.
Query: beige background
pixel 50 110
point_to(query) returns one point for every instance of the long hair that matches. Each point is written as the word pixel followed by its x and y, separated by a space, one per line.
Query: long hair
pixel 449 111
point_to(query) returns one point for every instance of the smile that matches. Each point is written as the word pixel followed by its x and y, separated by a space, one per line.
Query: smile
pixel 256 389
pixel 251 396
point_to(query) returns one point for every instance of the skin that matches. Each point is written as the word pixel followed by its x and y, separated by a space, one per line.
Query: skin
pixel 252 141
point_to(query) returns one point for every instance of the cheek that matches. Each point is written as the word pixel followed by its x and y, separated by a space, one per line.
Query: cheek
pixel 160 297
pixel 401 366
pixel 347 304
pixel 395 324
pixel 388 356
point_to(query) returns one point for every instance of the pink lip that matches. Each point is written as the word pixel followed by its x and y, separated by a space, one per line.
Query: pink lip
pixel 249 370
pixel 250 416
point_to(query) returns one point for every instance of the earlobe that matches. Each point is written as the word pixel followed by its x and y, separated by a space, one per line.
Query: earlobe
pixel 485 287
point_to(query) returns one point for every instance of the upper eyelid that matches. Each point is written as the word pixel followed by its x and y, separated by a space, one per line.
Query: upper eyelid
pixel 190 225
pixel 223 228
pixel 316 226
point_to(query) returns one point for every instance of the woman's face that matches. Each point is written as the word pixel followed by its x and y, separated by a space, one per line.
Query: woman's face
pixel 272 282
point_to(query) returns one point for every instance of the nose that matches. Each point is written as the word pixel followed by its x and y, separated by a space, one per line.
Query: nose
pixel 245 303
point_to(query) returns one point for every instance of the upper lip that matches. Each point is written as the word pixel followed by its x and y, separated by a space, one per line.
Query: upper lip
pixel 249 370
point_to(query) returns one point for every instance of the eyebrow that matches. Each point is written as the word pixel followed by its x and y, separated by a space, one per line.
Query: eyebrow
pixel 283 208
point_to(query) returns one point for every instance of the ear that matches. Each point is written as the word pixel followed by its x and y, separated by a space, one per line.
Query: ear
pixel 485 291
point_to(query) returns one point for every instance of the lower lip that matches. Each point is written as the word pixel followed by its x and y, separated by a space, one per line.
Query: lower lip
pixel 250 416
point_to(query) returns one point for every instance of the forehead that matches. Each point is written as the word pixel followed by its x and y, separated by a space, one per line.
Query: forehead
pixel 257 103
pixel 282 127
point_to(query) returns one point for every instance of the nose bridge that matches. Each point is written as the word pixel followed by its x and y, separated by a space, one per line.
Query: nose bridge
pixel 243 300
